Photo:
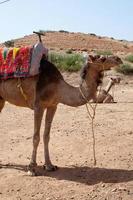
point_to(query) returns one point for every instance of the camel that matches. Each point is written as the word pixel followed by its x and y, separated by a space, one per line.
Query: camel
pixel 47 89
pixel 103 96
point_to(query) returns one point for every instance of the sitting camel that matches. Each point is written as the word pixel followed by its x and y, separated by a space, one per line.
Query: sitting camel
pixel 47 89
pixel 103 96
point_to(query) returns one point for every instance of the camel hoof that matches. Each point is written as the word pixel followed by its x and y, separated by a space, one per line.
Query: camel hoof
pixel 31 173
pixel 32 165
pixel 32 169
pixel 50 168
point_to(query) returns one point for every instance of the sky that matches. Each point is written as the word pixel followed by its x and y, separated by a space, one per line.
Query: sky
pixel 112 18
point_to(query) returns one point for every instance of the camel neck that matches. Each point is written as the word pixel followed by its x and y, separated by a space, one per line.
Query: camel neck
pixel 72 96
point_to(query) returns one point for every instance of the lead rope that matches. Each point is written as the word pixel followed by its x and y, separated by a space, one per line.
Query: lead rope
pixel 19 86
pixel 113 92
pixel 21 89
pixel 92 117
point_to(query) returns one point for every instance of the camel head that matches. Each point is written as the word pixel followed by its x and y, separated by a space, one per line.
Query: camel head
pixel 104 62
pixel 95 65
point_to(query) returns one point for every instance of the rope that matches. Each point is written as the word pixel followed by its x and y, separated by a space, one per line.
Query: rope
pixel 19 85
pixel 113 91
pixel 93 109
pixel 92 117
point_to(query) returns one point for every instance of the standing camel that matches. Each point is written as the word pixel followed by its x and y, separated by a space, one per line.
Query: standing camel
pixel 46 90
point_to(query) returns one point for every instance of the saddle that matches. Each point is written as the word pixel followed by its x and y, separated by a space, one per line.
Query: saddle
pixel 21 62
pixel 15 62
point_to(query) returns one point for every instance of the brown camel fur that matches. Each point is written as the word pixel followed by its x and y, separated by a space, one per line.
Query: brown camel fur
pixel 47 89
pixel 103 96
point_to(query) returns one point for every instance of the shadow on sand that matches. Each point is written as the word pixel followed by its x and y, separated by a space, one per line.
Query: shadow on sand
pixel 84 174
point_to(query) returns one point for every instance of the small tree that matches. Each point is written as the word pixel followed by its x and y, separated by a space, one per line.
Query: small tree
pixel 9 43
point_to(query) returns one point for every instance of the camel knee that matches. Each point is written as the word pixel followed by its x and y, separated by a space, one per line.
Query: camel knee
pixel 46 135
pixel 108 99
pixel 36 139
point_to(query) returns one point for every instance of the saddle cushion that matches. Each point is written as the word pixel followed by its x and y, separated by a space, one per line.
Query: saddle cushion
pixel 15 62
pixel 21 62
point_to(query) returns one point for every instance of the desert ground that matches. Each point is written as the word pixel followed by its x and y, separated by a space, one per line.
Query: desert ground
pixel 71 150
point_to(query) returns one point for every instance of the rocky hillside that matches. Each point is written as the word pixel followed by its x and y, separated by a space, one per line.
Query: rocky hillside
pixel 64 40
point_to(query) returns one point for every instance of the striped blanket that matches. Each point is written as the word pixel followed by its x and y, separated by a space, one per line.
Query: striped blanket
pixel 15 62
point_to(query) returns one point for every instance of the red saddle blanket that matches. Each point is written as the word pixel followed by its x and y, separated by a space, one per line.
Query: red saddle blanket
pixel 15 62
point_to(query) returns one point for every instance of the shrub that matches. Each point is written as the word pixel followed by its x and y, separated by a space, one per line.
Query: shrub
pixel 69 51
pixel 46 31
pixel 129 58
pixel 67 62
pixel 125 68
pixel 42 31
pixel 104 52
pixel 63 31
pixel 92 34
pixel 9 43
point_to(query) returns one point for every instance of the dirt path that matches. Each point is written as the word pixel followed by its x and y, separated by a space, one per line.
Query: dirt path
pixel 71 150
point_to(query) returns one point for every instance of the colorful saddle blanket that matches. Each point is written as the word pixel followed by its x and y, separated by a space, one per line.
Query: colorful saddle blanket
pixel 21 62
pixel 15 62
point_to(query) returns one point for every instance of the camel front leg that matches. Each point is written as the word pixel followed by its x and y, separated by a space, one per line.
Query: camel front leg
pixel 48 121
pixel 2 103
pixel 38 114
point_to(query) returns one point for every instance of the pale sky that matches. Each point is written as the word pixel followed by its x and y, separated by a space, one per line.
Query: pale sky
pixel 112 18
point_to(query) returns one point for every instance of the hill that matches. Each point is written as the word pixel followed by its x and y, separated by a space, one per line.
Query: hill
pixel 63 40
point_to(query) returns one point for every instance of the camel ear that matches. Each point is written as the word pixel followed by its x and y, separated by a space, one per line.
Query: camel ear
pixel 97 57
pixel 91 58
pixel 103 59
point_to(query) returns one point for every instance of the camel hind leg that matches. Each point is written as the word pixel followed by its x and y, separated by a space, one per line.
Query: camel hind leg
pixel 2 103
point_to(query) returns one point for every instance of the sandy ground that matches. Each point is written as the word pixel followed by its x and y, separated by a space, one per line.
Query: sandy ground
pixel 71 149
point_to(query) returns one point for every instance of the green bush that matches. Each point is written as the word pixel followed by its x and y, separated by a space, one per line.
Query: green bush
pixel 104 53
pixel 63 31
pixel 42 31
pixel 125 68
pixel 69 51
pixel 129 58
pixel 9 43
pixel 93 34
pixel 67 62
